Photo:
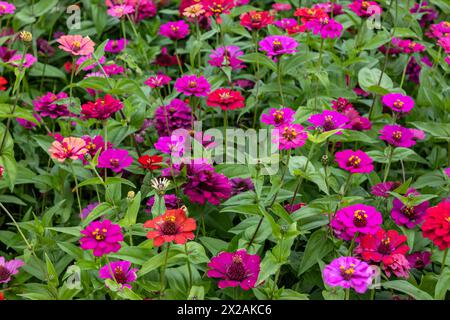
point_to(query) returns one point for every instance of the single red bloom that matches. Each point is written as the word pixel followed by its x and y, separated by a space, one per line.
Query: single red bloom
pixel 2 296
pixel 171 226
pixel 3 83
pixel 218 7
pixel 101 109
pixel 150 162
pixel 307 14
pixel 226 99
pixel 436 226
pixel 381 246
pixel 68 66
pixel 299 28
pixel 255 20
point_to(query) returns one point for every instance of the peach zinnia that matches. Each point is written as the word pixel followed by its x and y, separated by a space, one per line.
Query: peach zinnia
pixel 76 45
pixel 69 148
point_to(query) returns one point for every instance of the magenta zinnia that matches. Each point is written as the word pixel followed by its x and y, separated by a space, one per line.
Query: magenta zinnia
pixel 102 237
pixel 398 102
pixel 119 271
pixel 397 136
pixel 235 269
pixel 275 46
pixel 192 85
pixel 115 159
pixel 354 161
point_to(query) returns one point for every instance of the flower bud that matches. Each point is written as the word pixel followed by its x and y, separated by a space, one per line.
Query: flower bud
pixel 25 36
pixel 130 195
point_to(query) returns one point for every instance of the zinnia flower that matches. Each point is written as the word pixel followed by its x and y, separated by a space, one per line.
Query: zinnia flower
pixel 226 99
pixel 348 272
pixel 358 218
pixel 290 136
pixel 398 265
pixel 102 237
pixel 9 268
pixel 76 45
pixel 436 226
pixel 93 145
pixel 150 162
pixel 275 46
pixel 286 23
pixel 354 161
pixel 397 136
pixel 193 85
pixel 172 226
pixel 205 185
pixel 408 216
pixel 88 209
pixel 176 115
pixel 115 159
pixel 194 11
pixel 116 46
pixel 326 27
pixel 419 260
pixel 121 10
pixel 365 8
pixel 120 272
pixel 101 109
pixel 255 20
pixel 173 145
pixel 279 117
pixel 6 8
pixel 382 189
pixel 69 148
pixel 16 60
pixel 329 120
pixel 240 185
pixel 398 102
pixel 47 106
pixel 158 81
pixel 3 83
pixel 380 246
pixel 227 56
pixel 171 202
pixel 174 30
pixel 235 269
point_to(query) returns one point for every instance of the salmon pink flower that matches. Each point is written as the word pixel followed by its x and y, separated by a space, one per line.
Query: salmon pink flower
pixel 408 216
pixel 235 269
pixel 436 226
pixel 172 226
pixel 348 272
pixel 275 46
pixel 290 136
pixel 76 45
pixel 279 117
pixel 101 109
pixel 69 148
pixel 120 272
pixel 102 237
pixel 358 218
pixel 397 136
pixel 381 245
pixel 192 85
pixel 174 30
pixel 9 268
pixel 281 6
pixel 354 161
pixel 115 159
pixel 226 99
pixel 255 20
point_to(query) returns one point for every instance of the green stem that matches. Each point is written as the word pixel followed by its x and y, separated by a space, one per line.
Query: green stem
pixel 444 258
pixel 404 71
pixel 347 184
pixel 163 270
pixel 77 191
pixel 225 125
pixel 388 165
pixel 189 267
pixel 297 188
pixel 347 294
pixel 257 75
pixel 280 87
pixel 319 65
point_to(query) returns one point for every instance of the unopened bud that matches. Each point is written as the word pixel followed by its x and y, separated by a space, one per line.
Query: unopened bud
pixel 25 36
pixel 325 160
pixel 130 195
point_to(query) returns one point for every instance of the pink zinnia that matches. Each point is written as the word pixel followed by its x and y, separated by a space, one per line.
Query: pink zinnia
pixel 192 85
pixel 76 45
pixel 69 148
pixel 16 60
pixel 329 120
pixel 174 30
pixel 290 136
pixel 275 46
pixel 235 269
pixel 115 159
pixel 158 81
pixel 358 218
pixel 278 117
pixel 382 189
pixel 354 161
pixel 120 10
pixel 348 272
pixel 120 272
pixel 397 136
pixel 48 106
pixel 227 56
pixel 408 216
pixel 116 46
pixel 102 237
pixel 326 27
pixel 398 265
pixel 6 8
pixel 398 102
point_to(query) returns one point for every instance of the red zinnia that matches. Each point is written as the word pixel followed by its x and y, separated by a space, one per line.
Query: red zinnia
pixel 255 20
pixel 101 109
pixel 380 247
pixel 226 99
pixel 436 226
pixel 150 162
pixel 2 296
pixel 3 83
pixel 171 226
pixel 308 14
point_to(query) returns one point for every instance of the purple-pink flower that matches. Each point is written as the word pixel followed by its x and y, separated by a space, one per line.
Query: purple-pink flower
pixel 121 10
pixel 176 115
pixel 354 161
pixel 365 8
pixel 88 209
pixel 116 46
pixel 408 216
pixel 6 8
pixel 102 237
pixel 235 269
pixel 329 120
pixel 192 85
pixel 158 81
pixel 278 117
pixel 358 218
pixel 173 145
pixel 419 259
pixel 174 30
pixel 9 268
pixel 382 189
pixel 275 46
pixel 48 106
pixel 286 23
pixel 119 271
pixel 348 272
pixel 397 136
pixel 227 56
pixel 290 136
pixel 326 27
pixel 114 159
pixel 398 102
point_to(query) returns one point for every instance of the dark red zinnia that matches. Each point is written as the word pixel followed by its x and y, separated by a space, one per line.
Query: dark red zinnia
pixel 226 99
pixel 3 83
pixel 101 109
pixel 436 226
pixel 150 162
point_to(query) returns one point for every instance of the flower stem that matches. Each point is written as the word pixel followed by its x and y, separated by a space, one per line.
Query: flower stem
pixel 388 165
pixel 255 107
pixel 280 87
pixel 347 294
pixel 76 186
pixel 404 71
pixel 189 266
pixel 318 70
pixel 444 258
pixel 225 125
pixel 163 270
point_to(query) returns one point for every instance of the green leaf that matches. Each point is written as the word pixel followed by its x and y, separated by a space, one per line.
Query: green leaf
pixel 100 210
pixel 52 276
pixel 442 286
pixel 408 288
pixel 46 70
pixel 197 293
pixel 318 246
pixel 259 58
pixel 132 211
pixel 369 77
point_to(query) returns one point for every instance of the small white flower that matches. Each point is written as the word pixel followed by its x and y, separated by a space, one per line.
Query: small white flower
pixel 160 184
